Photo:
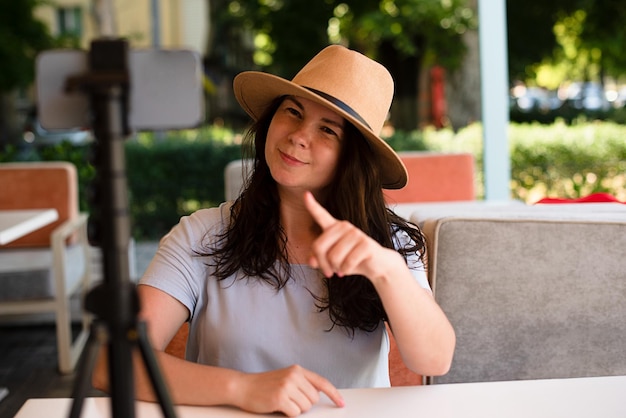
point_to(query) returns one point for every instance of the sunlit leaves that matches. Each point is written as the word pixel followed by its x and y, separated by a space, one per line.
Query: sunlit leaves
pixel 566 39
pixel 360 23
pixel 439 22
pixel 263 50
pixel 389 7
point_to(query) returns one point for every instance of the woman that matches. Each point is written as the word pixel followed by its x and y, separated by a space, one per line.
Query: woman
pixel 286 296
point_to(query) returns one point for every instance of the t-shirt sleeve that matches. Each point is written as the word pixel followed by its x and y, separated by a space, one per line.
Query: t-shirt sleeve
pixel 177 268
pixel 416 266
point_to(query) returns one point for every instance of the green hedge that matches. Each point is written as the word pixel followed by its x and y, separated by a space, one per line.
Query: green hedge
pixel 557 160
pixel 174 176
pixel 561 161
pixel 167 178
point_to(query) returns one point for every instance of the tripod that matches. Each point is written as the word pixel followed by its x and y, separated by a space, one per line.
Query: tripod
pixel 114 302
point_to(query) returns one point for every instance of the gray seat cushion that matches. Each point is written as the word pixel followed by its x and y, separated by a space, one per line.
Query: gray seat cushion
pixel 531 298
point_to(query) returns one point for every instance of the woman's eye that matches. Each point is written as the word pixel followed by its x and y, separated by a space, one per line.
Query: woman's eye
pixel 293 111
pixel 328 131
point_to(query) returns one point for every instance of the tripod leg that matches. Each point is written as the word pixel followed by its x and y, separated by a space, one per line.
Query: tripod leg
pixel 152 367
pixel 97 336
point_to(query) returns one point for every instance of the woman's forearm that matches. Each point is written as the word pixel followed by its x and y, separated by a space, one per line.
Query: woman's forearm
pixel 291 390
pixel 195 384
pixel 424 335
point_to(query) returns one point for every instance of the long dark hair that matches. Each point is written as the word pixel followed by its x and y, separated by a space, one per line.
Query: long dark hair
pixel 255 244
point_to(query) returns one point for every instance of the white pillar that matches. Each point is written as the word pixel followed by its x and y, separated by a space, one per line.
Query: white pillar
pixel 495 101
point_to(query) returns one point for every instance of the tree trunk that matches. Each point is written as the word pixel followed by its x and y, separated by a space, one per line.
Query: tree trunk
pixel 463 85
pixel 406 73
pixel 9 121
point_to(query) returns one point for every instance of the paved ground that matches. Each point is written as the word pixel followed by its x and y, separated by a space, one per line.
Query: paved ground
pixel 144 251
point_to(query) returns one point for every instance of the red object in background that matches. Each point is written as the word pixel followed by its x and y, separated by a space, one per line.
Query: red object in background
pixel 437 96
pixel 592 198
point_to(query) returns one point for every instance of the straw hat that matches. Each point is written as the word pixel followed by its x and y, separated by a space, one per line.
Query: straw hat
pixel 345 81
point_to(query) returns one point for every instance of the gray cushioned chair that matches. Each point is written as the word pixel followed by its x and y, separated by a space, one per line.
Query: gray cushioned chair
pixel 531 293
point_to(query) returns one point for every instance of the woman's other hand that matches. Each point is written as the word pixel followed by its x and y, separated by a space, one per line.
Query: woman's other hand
pixel 291 391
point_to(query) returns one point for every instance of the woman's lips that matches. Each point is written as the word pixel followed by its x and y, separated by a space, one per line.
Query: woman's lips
pixel 290 160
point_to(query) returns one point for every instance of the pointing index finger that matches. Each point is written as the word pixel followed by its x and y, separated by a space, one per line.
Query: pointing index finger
pixel 324 386
pixel 321 215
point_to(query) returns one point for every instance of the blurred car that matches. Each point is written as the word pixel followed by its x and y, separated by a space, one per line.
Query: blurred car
pixel 35 134
pixel 588 96
pixel 529 99
pixel 617 97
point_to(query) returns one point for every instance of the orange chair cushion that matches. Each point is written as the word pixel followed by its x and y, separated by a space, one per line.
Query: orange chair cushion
pixel 435 177
pixel 39 185
pixel 176 347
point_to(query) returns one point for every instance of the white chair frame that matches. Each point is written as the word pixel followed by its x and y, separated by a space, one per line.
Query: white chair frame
pixel 69 349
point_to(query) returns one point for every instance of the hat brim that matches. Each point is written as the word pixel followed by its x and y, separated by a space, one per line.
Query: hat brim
pixel 256 90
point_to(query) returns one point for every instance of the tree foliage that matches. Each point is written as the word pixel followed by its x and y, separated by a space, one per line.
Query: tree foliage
pixel 404 35
pixel 286 34
pixel 22 38
pixel 428 28
pixel 586 36
pixel 409 36
pixel 292 31
pixel 605 30
pixel 530 28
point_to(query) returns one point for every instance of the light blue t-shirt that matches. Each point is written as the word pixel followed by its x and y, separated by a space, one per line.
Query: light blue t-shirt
pixel 247 325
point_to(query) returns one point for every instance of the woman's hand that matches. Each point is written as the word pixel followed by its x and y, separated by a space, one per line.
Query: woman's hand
pixel 422 331
pixel 291 391
pixel 344 249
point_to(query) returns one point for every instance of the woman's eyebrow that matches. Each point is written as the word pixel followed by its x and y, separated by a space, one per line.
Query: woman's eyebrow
pixel 326 120
pixel 295 101
pixel 333 122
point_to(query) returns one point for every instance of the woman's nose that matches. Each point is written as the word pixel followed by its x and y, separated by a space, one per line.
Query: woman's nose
pixel 301 136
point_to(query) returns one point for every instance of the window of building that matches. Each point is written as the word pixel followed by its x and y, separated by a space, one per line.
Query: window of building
pixel 69 21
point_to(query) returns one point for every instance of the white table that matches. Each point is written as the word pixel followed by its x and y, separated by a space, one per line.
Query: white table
pixel 572 398
pixel 15 224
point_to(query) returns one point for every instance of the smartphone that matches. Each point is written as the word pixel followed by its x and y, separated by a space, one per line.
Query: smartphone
pixel 165 89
